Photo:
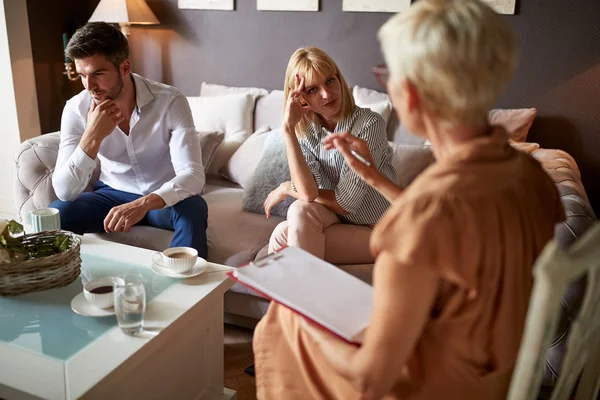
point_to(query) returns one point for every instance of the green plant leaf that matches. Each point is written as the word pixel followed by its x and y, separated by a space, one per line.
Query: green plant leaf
pixel 14 227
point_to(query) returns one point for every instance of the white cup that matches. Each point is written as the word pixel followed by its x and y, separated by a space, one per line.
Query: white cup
pixel 177 259
pixel 104 299
pixel 44 219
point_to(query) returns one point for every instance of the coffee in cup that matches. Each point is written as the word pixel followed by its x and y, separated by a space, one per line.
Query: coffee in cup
pixel 177 259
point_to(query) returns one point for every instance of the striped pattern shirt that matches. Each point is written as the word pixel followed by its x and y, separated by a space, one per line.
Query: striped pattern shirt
pixel 364 204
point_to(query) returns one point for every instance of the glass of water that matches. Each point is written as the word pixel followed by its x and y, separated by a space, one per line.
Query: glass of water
pixel 130 302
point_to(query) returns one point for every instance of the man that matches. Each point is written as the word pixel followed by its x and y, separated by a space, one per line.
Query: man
pixel 142 132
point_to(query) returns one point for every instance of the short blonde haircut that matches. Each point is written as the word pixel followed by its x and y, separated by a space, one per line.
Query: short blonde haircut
pixel 459 55
pixel 312 63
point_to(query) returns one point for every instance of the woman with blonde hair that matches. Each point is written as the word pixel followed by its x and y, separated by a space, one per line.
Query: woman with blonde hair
pixel 318 102
pixel 454 252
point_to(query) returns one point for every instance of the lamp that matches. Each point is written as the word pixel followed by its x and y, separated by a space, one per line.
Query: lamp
pixel 124 13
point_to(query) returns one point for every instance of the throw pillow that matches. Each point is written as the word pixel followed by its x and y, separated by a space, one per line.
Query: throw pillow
pixel 516 121
pixel 271 171
pixel 209 141
pixel 368 96
pixel 269 109
pixel 231 114
pixel 243 162
pixel 211 89
pixel 409 161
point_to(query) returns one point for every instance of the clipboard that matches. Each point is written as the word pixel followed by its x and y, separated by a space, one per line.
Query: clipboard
pixel 319 291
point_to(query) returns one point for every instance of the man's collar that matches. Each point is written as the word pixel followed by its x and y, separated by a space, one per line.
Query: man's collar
pixel 143 95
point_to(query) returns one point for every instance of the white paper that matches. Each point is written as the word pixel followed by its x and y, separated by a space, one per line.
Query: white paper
pixel 321 291
pixel 287 5
pixel 376 5
pixel 206 4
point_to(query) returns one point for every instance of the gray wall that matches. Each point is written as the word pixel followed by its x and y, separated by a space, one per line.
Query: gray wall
pixel 559 72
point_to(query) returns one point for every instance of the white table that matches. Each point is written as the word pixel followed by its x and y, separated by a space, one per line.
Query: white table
pixel 47 351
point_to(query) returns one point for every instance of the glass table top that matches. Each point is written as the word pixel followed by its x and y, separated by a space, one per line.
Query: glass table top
pixel 44 323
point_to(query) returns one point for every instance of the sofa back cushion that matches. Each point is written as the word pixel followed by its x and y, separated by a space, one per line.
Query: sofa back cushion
pixel 231 114
pixel 269 110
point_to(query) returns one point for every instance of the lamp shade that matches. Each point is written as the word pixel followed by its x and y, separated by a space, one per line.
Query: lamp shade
pixel 124 12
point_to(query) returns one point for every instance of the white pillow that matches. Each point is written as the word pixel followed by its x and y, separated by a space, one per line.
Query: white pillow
pixel 269 110
pixel 383 108
pixel 243 162
pixel 231 114
pixel 368 96
pixel 211 89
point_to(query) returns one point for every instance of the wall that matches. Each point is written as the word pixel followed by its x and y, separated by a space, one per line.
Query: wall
pixel 18 101
pixel 48 20
pixel 559 73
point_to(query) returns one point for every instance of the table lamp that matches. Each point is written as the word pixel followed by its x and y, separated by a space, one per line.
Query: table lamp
pixel 124 13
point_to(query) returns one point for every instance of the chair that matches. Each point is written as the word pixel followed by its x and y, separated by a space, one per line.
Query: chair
pixel 554 270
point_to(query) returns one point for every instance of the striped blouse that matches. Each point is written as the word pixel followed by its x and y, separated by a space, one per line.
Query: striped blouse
pixel 364 204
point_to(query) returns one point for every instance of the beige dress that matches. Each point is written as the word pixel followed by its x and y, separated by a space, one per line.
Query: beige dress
pixel 479 220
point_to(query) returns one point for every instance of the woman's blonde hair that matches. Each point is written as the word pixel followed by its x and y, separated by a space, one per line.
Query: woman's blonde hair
pixel 311 62
pixel 459 55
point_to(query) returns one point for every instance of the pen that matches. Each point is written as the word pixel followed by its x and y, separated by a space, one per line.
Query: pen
pixel 360 158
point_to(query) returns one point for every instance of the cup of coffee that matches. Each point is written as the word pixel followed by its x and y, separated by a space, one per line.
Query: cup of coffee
pixel 177 259
pixel 44 219
pixel 99 292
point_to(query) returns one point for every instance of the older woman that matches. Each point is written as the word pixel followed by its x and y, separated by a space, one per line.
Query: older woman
pixel 454 252
pixel 318 102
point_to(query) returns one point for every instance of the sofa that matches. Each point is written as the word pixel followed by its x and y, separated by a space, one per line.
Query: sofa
pixel 236 237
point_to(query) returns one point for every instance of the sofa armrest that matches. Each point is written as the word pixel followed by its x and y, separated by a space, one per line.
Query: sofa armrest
pixel 564 171
pixel 34 164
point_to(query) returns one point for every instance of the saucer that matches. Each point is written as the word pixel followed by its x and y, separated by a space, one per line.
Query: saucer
pixel 198 268
pixel 81 306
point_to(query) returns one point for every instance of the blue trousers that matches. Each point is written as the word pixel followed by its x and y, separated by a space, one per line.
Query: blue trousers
pixel 188 218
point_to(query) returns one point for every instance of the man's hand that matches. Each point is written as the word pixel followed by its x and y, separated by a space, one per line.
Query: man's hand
pixel 123 217
pixel 102 119
pixel 277 196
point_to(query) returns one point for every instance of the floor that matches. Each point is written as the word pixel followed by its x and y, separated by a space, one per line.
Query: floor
pixel 238 355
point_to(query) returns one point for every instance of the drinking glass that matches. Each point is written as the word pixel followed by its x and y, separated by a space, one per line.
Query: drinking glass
pixel 130 302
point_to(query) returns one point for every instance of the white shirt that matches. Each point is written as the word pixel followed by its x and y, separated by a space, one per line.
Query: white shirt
pixel 160 155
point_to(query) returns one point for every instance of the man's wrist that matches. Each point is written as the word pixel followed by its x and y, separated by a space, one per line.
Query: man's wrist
pixel 152 201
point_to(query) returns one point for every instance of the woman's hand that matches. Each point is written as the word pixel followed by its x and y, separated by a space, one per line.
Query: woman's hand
pixel 296 106
pixel 276 196
pixel 345 142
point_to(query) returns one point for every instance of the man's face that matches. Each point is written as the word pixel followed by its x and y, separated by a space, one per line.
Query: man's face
pixel 100 77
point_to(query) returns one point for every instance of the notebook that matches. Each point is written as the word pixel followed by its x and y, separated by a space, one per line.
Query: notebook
pixel 321 292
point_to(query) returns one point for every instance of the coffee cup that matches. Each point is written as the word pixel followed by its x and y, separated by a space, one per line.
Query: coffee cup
pixel 44 219
pixel 100 292
pixel 177 259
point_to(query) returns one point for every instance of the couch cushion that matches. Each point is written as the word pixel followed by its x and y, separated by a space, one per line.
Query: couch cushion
pixel 232 232
pixel 243 162
pixel 269 110
pixel 231 114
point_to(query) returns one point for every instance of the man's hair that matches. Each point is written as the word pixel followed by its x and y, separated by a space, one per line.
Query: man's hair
pixel 98 38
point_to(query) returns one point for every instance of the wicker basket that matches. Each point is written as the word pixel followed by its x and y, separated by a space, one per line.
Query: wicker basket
pixel 42 273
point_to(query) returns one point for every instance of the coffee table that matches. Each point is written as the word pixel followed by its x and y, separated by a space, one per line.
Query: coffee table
pixel 48 351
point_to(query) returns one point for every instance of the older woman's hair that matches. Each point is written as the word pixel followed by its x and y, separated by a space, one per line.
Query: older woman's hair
pixel 458 54
pixel 312 63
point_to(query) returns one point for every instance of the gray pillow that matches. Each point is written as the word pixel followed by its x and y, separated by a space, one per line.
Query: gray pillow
pixel 271 171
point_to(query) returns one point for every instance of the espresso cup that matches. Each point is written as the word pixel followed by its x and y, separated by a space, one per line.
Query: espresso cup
pixel 44 219
pixel 177 259
pixel 99 291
